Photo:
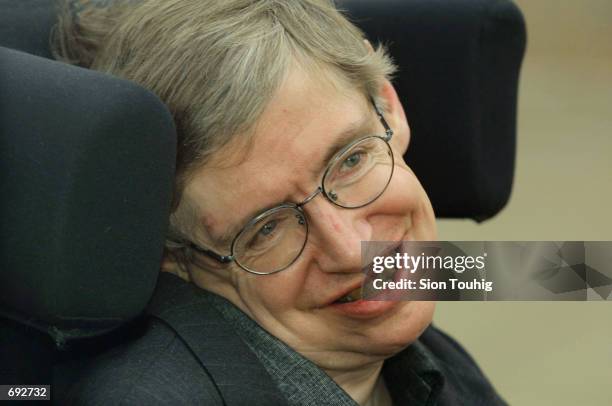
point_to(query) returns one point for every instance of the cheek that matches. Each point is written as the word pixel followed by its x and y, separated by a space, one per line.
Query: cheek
pixel 405 200
pixel 274 293
pixel 409 324
pixel 404 193
pixel 401 140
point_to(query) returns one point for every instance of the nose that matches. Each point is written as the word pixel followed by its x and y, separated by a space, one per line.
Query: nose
pixel 335 235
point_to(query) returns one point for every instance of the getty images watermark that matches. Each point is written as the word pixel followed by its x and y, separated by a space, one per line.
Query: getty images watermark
pixel 484 270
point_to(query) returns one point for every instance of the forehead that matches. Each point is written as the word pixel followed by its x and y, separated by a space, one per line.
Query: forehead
pixel 282 162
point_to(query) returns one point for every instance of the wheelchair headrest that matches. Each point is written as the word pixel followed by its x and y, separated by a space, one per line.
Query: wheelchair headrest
pixel 459 64
pixel 87 168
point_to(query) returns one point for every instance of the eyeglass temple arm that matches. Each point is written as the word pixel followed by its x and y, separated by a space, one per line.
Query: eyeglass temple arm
pixel 388 130
pixel 224 259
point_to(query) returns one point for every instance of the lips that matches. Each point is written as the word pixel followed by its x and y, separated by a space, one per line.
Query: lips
pixel 353 295
pixel 347 295
pixel 361 309
pixel 355 291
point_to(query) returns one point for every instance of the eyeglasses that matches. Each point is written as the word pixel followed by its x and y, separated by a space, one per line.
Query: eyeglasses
pixel 355 177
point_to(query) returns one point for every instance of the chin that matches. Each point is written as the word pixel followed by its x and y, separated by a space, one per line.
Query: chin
pixel 398 332
pixel 393 334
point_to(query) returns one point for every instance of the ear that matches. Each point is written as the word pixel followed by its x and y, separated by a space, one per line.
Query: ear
pixel 394 113
pixel 396 118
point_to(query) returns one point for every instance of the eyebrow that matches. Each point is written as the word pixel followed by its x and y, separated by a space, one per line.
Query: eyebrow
pixel 352 132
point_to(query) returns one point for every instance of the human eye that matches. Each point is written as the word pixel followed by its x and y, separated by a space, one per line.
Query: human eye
pixel 353 163
pixel 353 160
pixel 268 228
pixel 264 234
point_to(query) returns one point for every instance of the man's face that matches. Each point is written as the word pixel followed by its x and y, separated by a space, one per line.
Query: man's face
pixel 285 163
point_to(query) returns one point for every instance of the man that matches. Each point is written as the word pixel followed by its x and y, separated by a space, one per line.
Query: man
pixel 291 139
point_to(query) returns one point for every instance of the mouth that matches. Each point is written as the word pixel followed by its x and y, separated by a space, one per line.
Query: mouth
pixel 355 293
pixel 352 296
pixel 352 305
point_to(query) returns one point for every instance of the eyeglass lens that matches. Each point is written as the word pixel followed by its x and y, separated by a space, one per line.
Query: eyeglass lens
pixel 355 178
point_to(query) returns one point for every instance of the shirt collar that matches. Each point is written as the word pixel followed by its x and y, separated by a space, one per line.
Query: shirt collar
pixel 412 376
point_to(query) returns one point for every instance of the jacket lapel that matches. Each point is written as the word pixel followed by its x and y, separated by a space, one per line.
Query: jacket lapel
pixel 234 368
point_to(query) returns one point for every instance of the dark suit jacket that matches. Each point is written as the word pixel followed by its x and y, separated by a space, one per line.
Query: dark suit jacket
pixel 189 354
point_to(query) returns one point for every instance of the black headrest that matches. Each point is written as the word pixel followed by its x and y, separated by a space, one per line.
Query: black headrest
pixel 86 168
pixel 25 25
pixel 459 63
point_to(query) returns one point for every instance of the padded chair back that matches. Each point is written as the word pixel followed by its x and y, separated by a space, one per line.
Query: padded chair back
pixel 86 167
pixel 459 64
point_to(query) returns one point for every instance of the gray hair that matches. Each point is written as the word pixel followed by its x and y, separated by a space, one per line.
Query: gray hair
pixel 215 64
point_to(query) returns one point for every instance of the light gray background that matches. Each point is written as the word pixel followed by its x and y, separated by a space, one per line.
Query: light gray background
pixel 551 353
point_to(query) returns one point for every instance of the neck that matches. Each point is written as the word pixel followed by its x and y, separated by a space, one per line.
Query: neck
pixel 360 384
